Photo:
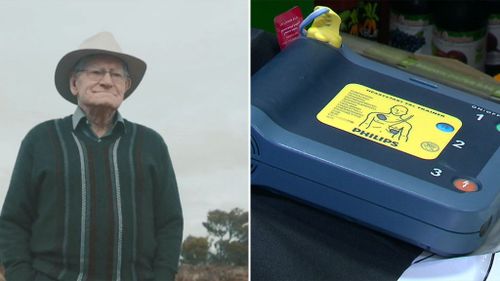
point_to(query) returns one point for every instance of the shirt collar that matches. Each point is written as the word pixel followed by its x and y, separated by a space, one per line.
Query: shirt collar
pixel 80 114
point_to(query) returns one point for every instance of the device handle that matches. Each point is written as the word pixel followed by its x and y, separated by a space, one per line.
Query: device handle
pixel 325 26
pixel 309 19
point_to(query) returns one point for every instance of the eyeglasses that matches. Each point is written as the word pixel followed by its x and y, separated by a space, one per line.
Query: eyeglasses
pixel 98 75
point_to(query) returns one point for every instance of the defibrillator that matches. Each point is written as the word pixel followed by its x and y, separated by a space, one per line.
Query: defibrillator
pixel 396 152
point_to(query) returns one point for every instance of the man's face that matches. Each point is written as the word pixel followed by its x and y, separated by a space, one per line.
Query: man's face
pixel 106 91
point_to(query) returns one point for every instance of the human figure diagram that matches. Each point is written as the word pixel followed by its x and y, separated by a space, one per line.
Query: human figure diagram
pixel 392 122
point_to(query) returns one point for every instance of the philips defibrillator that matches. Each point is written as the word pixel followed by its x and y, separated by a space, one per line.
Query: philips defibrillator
pixel 396 152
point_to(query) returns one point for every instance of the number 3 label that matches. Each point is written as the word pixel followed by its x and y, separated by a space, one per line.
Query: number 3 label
pixel 436 172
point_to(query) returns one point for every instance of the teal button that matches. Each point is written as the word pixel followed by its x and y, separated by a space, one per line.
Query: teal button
pixel 498 127
pixel 445 127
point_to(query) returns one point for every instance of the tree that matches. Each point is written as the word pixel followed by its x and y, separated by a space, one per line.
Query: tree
pixel 229 234
pixel 195 250
pixel 237 252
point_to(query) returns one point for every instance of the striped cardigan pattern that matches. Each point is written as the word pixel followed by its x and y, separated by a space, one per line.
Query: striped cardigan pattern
pixel 82 208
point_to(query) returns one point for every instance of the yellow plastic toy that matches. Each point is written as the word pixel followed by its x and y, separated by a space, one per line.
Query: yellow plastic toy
pixel 325 27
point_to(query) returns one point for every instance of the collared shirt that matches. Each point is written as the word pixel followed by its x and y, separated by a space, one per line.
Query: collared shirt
pixel 79 117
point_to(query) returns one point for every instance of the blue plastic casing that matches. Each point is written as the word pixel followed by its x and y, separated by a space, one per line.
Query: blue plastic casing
pixel 385 189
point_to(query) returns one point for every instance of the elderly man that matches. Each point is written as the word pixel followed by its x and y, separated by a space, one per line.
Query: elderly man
pixel 93 196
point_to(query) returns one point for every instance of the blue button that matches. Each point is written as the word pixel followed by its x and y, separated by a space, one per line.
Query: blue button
pixel 447 128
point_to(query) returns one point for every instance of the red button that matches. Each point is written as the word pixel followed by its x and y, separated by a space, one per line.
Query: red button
pixel 465 185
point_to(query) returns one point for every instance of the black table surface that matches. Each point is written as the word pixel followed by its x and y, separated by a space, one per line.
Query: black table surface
pixel 293 241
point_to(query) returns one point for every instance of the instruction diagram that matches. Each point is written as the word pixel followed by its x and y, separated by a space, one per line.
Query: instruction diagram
pixel 394 123
pixel 390 120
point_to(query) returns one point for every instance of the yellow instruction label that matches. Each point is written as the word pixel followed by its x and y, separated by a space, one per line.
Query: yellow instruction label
pixel 391 121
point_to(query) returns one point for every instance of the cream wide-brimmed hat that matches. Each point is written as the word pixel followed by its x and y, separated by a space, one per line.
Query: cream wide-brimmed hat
pixel 102 43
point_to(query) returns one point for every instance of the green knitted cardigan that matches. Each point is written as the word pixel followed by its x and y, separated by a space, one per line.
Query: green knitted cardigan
pixel 82 208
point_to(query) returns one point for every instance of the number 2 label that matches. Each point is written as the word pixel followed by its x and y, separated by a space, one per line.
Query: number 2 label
pixel 459 144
